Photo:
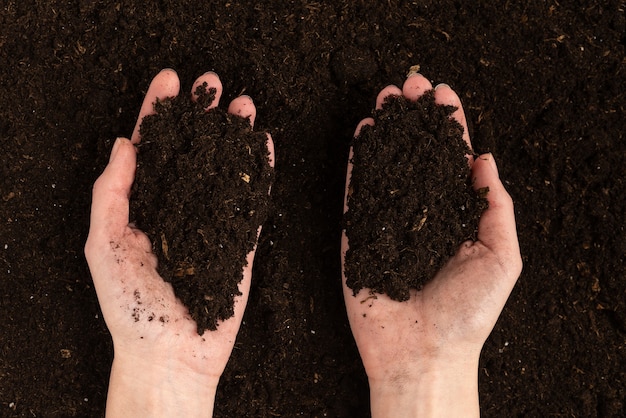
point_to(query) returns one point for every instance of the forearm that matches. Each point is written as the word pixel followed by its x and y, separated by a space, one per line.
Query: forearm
pixel 445 391
pixel 157 391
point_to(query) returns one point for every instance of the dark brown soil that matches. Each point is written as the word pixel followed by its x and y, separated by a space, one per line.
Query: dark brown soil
pixel 543 84
pixel 201 193
pixel 410 203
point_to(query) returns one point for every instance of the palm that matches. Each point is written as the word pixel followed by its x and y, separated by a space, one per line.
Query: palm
pixel 142 312
pixel 456 310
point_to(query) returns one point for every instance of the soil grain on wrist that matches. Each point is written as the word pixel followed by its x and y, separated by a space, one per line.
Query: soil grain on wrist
pixel 410 199
pixel 201 193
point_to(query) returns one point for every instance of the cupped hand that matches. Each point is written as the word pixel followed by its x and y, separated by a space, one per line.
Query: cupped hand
pixel 155 340
pixel 435 338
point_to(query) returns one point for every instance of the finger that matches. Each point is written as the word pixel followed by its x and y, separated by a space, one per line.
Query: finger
pixel 244 107
pixel 366 121
pixel 270 149
pixel 213 81
pixel 496 229
pixel 165 84
pixel 244 285
pixel 386 92
pixel 415 85
pixel 110 204
pixel 357 132
pixel 348 296
pixel 445 96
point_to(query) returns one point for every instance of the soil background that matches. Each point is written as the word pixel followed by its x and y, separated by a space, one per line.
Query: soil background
pixel 543 86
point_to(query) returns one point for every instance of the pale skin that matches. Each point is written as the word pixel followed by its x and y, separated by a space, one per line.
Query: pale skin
pixel 421 356
pixel 161 368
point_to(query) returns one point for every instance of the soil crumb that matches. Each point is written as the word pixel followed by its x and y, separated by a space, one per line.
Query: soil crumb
pixel 201 193
pixel 410 200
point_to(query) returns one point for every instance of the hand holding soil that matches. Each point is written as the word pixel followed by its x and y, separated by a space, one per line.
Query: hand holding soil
pixel 160 359
pixel 421 355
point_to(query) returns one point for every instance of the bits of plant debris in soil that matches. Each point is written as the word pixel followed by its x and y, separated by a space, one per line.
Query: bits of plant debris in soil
pixel 201 193
pixel 411 202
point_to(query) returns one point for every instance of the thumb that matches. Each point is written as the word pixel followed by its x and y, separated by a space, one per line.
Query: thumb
pixel 110 200
pixel 496 229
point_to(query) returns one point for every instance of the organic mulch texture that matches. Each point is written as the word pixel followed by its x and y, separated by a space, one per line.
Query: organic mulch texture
pixel 543 86
pixel 201 194
pixel 410 201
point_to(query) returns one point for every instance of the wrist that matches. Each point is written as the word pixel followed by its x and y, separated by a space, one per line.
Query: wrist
pixel 143 387
pixel 435 389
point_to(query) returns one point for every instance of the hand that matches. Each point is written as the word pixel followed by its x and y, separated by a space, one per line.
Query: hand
pixel 421 356
pixel 162 367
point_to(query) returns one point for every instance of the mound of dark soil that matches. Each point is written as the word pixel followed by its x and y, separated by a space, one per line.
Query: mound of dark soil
pixel 201 194
pixel 410 200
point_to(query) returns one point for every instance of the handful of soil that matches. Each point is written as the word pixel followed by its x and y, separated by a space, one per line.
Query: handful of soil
pixel 201 193
pixel 410 199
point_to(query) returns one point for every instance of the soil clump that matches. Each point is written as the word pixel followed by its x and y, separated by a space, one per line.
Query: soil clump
pixel 201 194
pixel 410 200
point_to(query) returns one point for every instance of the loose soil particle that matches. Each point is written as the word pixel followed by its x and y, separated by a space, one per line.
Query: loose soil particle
pixel 201 193
pixel 411 202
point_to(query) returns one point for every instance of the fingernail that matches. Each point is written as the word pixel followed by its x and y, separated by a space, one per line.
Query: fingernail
pixel 169 69
pixel 442 85
pixel 115 149
pixel 492 163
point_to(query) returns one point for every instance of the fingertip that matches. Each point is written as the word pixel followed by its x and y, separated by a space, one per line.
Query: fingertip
pixel 390 90
pixel 445 96
pixel 122 162
pixel 212 80
pixel 348 183
pixel 364 122
pixel 497 224
pixel 243 106
pixel 164 85
pixel 483 172
pixel 357 132
pixel 486 177
pixel 167 72
pixel 166 79
pixel 270 149
pixel 492 163
pixel 415 86
pixel 121 143
pixel 115 148
pixel 485 166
